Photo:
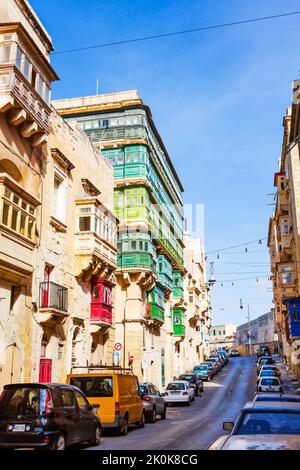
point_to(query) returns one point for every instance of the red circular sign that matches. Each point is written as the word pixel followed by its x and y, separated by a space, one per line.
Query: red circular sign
pixel 118 347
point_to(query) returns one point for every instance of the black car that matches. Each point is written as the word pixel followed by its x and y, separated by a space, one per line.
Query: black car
pixel 195 382
pixel 50 416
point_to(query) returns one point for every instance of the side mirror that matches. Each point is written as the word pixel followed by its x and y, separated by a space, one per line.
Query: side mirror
pixel 298 391
pixel 228 425
pixel 96 405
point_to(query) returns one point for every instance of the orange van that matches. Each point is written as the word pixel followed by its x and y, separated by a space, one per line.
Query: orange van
pixel 115 392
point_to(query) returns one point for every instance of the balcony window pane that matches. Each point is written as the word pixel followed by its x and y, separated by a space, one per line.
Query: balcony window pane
pixel 19 58
pixel 30 229
pixel 16 199
pixel 22 225
pixel 27 68
pixel 84 224
pixel 40 87
pixel 5 214
pixel 5 53
pixel 14 219
pixel 33 77
pixel 47 94
pixel 7 193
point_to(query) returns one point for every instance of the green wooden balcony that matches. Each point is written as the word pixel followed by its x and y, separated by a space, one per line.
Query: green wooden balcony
pixel 135 260
pixel 179 330
pixel 177 292
pixel 157 313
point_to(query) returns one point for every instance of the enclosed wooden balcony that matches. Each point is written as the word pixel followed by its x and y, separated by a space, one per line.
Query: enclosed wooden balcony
pixel 17 226
pixel 25 83
pixel 96 242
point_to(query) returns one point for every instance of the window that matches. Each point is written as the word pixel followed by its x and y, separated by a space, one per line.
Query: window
pixel 177 320
pixel 5 53
pixel 19 58
pixel 214 332
pixel 84 224
pixel 82 402
pixel 133 245
pixel 296 316
pixel 68 398
pixel 18 215
pixel 286 274
pixel 33 75
pixel 94 386
pixel 105 123
pixel 224 332
pixel 191 299
pixel 59 197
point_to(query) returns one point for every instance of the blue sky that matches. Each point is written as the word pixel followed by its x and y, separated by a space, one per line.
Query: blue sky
pixel 217 97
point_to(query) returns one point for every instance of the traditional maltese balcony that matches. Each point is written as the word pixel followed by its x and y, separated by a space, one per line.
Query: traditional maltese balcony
pixel 25 84
pixel 95 240
pixel 17 226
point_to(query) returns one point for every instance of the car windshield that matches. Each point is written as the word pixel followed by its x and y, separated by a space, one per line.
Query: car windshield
pixel 94 386
pixel 23 401
pixel 175 386
pixel 204 367
pixel 189 378
pixel 269 381
pixel 270 423
pixel 267 373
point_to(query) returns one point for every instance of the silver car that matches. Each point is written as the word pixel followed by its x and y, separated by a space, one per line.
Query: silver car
pixel 154 403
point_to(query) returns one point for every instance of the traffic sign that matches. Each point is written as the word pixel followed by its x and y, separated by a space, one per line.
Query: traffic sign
pixel 117 346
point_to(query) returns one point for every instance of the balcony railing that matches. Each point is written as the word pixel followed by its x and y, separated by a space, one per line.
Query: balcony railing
pixel 53 296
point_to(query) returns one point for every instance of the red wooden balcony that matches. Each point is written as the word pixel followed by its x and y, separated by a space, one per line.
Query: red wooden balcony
pixel 101 301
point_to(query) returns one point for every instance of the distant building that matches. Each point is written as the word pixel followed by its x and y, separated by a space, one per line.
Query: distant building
pixel 222 336
pixel 262 332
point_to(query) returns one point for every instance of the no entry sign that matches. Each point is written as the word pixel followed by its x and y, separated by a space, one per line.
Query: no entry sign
pixel 117 346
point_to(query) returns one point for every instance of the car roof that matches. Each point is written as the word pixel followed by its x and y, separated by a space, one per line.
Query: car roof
pixel 276 397
pixel 178 381
pixel 37 385
pixel 271 406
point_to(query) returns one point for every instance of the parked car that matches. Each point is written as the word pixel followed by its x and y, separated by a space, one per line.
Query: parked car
pixel 205 371
pixel 154 402
pixel 272 368
pixel 216 362
pixel 270 384
pixel 263 351
pixel 276 397
pixel 195 381
pixel 50 416
pixel 263 426
pixel 224 356
pixel 233 353
pixel 116 393
pixel 219 359
pixel 179 391
pixel 267 373
pixel 263 361
pixel 213 364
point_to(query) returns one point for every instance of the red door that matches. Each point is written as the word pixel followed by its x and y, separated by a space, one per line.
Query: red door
pixel 45 370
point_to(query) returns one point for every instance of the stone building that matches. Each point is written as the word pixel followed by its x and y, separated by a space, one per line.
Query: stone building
pixel 261 331
pixel 284 238
pixel 57 229
pixel 151 316
pixel 25 83
pixel 222 336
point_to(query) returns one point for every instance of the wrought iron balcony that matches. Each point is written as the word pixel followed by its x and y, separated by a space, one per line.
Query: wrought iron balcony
pixel 53 296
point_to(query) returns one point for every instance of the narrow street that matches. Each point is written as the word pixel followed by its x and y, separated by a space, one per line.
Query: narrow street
pixel 195 427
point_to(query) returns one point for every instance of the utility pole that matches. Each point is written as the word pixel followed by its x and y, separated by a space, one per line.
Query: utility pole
pixel 249 330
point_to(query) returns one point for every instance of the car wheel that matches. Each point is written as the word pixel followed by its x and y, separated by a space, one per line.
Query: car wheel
pixel 153 416
pixel 208 379
pixel 95 441
pixel 143 420
pixel 193 399
pixel 124 429
pixel 60 443
pixel 164 413
pixel 189 402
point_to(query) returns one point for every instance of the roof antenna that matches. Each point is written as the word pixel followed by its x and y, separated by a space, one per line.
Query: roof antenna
pixel 97 86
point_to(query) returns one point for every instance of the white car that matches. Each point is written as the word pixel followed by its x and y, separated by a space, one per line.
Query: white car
pixel 179 391
pixel 270 384
pixel 270 367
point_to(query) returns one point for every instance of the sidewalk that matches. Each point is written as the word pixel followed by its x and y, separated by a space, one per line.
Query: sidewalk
pixel 289 379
